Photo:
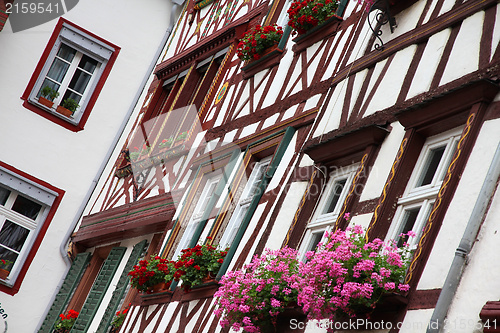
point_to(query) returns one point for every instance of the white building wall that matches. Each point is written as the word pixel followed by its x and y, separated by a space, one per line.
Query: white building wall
pixel 61 157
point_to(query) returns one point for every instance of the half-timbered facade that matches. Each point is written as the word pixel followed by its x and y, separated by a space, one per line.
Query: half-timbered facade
pixel 394 121
pixel 50 163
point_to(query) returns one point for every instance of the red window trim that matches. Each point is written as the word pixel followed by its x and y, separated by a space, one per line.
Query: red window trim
pixel 12 290
pixel 95 93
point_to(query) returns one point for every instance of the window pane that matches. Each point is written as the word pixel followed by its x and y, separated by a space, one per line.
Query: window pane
pixel 67 53
pixel 72 95
pixel 88 64
pixel 335 196
pixel 58 70
pixel 452 152
pixel 79 81
pixel 409 218
pixel 431 166
pixel 26 207
pixel 7 254
pixel 13 236
pixel 315 239
pixel 4 194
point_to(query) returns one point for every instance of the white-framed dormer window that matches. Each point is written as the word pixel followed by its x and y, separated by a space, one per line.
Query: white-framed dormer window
pixel 75 64
pixel 24 206
pixel 206 194
pixel 243 205
pixel 328 208
pixel 414 207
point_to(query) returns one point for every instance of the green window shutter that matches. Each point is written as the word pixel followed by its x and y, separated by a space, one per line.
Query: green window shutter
pixel 289 132
pixel 62 298
pixel 121 287
pixel 341 8
pixel 98 290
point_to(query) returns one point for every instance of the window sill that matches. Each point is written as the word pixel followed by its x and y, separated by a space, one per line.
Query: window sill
pixel 316 34
pixel 156 298
pixel 52 115
pixel 268 60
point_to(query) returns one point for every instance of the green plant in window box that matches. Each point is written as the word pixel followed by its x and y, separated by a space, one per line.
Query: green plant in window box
pixel 166 143
pixel 182 136
pixel 4 268
pixel 119 319
pixel 47 96
pixel 198 265
pixel 68 107
pixel 66 322
pixel 150 273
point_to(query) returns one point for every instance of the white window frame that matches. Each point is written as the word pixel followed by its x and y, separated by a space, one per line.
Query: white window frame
pixel 84 44
pixel 18 185
pixel 244 202
pixel 424 196
pixel 321 222
pixel 198 212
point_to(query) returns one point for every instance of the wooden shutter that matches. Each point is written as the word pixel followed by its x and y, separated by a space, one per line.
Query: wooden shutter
pixel 62 298
pixel 120 287
pixel 98 290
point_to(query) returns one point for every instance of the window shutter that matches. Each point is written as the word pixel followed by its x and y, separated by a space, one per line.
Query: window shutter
pixel 98 290
pixel 121 287
pixel 70 282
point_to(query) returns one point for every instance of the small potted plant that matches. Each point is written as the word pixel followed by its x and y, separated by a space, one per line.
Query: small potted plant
pixel 307 14
pixel 66 322
pixel 198 265
pixel 256 41
pixel 254 298
pixel 47 96
pixel 68 107
pixel 153 275
pixel 4 268
pixel 119 319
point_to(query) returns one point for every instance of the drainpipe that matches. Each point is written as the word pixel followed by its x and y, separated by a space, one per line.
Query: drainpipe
pixel 455 273
pixel 112 147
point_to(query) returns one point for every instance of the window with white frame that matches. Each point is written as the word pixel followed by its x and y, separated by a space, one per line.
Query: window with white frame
pixel 198 212
pixel 241 208
pixel 24 207
pixel 328 209
pixel 73 68
pixel 414 207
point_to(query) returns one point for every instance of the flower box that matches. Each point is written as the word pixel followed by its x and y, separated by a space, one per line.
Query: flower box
pixel 48 103
pixel 320 32
pixel 269 58
pixel 3 274
pixel 65 112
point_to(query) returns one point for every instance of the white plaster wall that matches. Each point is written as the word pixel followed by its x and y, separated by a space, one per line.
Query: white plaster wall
pixel 464 57
pixel 286 215
pixel 427 66
pixel 460 208
pixel 60 157
pixel 480 282
pixel 381 169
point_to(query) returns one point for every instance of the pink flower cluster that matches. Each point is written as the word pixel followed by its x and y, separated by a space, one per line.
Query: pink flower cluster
pixel 348 275
pixel 248 297
pixel 344 277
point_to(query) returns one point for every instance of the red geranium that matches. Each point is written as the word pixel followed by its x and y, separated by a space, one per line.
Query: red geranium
pixel 254 42
pixel 153 271
pixel 197 263
pixel 306 14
